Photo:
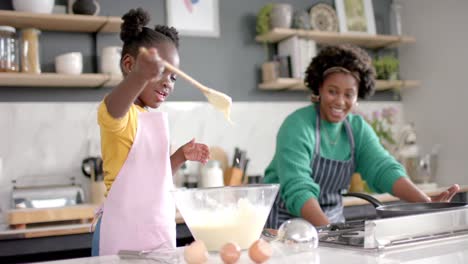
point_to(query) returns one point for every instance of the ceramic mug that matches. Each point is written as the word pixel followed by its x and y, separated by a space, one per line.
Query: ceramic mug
pixel 281 16
pixel 110 60
pixel 69 63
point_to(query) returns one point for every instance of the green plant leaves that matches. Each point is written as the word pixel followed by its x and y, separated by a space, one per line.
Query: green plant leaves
pixel 263 19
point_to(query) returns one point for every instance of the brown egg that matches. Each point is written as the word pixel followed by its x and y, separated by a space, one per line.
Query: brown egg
pixel 260 251
pixel 196 253
pixel 230 253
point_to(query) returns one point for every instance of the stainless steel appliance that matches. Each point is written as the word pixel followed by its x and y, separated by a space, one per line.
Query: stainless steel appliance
pixel 389 233
pixel 48 196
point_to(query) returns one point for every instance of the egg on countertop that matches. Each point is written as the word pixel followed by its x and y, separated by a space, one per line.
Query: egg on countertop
pixel 260 251
pixel 196 253
pixel 230 253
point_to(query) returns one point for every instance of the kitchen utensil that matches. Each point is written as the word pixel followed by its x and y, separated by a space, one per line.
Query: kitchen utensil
pixel 295 234
pixel 161 255
pixel 244 171
pixel 219 100
pixel 92 168
pixel 226 214
pixel 233 175
pixel 393 210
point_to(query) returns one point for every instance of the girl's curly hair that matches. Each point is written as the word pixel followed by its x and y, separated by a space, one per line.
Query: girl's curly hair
pixel 134 32
pixel 347 56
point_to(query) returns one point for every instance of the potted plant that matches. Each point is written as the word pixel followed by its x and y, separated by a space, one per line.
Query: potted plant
pixel 387 67
pixel 263 19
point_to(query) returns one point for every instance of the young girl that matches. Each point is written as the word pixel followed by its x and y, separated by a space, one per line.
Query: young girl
pixel 139 212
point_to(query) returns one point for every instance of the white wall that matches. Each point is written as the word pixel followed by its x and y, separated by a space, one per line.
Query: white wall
pixel 44 143
pixel 439 58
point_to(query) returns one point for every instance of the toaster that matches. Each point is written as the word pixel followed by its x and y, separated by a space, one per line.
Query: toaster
pixel 46 196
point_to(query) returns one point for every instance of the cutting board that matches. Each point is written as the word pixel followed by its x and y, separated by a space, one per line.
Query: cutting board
pixel 20 218
pixel 46 231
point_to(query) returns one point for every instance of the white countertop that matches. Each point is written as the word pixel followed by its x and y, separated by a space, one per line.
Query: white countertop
pixel 454 251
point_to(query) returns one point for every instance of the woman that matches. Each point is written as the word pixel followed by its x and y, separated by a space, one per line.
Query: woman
pixel 320 146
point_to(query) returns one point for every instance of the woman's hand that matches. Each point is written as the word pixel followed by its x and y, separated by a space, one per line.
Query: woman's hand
pixel 196 152
pixel 447 195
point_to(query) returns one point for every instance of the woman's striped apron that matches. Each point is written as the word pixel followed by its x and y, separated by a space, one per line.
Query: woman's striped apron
pixel 333 177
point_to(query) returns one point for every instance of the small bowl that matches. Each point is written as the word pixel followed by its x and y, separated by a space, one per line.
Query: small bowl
pixel 220 215
pixel 69 63
pixel 34 6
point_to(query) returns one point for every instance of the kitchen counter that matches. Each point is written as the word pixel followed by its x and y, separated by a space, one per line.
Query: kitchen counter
pixel 85 228
pixel 437 252
pixel 76 239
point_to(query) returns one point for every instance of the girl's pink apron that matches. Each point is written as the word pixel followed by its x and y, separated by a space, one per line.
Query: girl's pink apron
pixel 139 212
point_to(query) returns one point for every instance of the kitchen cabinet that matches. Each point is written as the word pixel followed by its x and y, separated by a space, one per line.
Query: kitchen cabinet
pixel 20 250
pixel 333 38
pixel 60 22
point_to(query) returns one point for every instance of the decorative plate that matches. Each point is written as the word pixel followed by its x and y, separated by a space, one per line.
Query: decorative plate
pixel 323 18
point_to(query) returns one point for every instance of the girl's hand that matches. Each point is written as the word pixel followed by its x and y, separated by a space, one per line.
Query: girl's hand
pixel 148 64
pixel 196 151
pixel 447 195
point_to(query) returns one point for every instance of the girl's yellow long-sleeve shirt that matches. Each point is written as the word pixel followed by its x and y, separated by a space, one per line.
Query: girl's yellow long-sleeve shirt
pixel 117 136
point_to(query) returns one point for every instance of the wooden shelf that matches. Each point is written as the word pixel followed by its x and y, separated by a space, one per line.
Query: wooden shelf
pixel 321 37
pixel 298 84
pixel 60 22
pixel 58 80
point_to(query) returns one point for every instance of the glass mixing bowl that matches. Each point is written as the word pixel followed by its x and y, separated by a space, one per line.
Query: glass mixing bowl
pixel 226 214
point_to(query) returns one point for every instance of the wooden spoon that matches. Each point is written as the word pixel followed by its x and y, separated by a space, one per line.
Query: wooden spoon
pixel 219 100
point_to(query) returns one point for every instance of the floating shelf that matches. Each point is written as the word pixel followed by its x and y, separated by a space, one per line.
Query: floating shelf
pixel 58 80
pixel 298 84
pixel 60 22
pixel 321 37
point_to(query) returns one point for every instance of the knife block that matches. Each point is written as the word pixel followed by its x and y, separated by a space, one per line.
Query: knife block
pixel 232 176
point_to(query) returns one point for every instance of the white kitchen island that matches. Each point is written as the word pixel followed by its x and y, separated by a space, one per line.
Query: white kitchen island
pixel 454 251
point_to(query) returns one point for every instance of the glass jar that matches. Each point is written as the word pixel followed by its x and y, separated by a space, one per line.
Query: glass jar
pixel 8 49
pixel 212 174
pixel 395 19
pixel 30 51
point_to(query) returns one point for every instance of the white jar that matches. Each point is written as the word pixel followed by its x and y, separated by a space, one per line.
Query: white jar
pixel 211 175
pixel 110 60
